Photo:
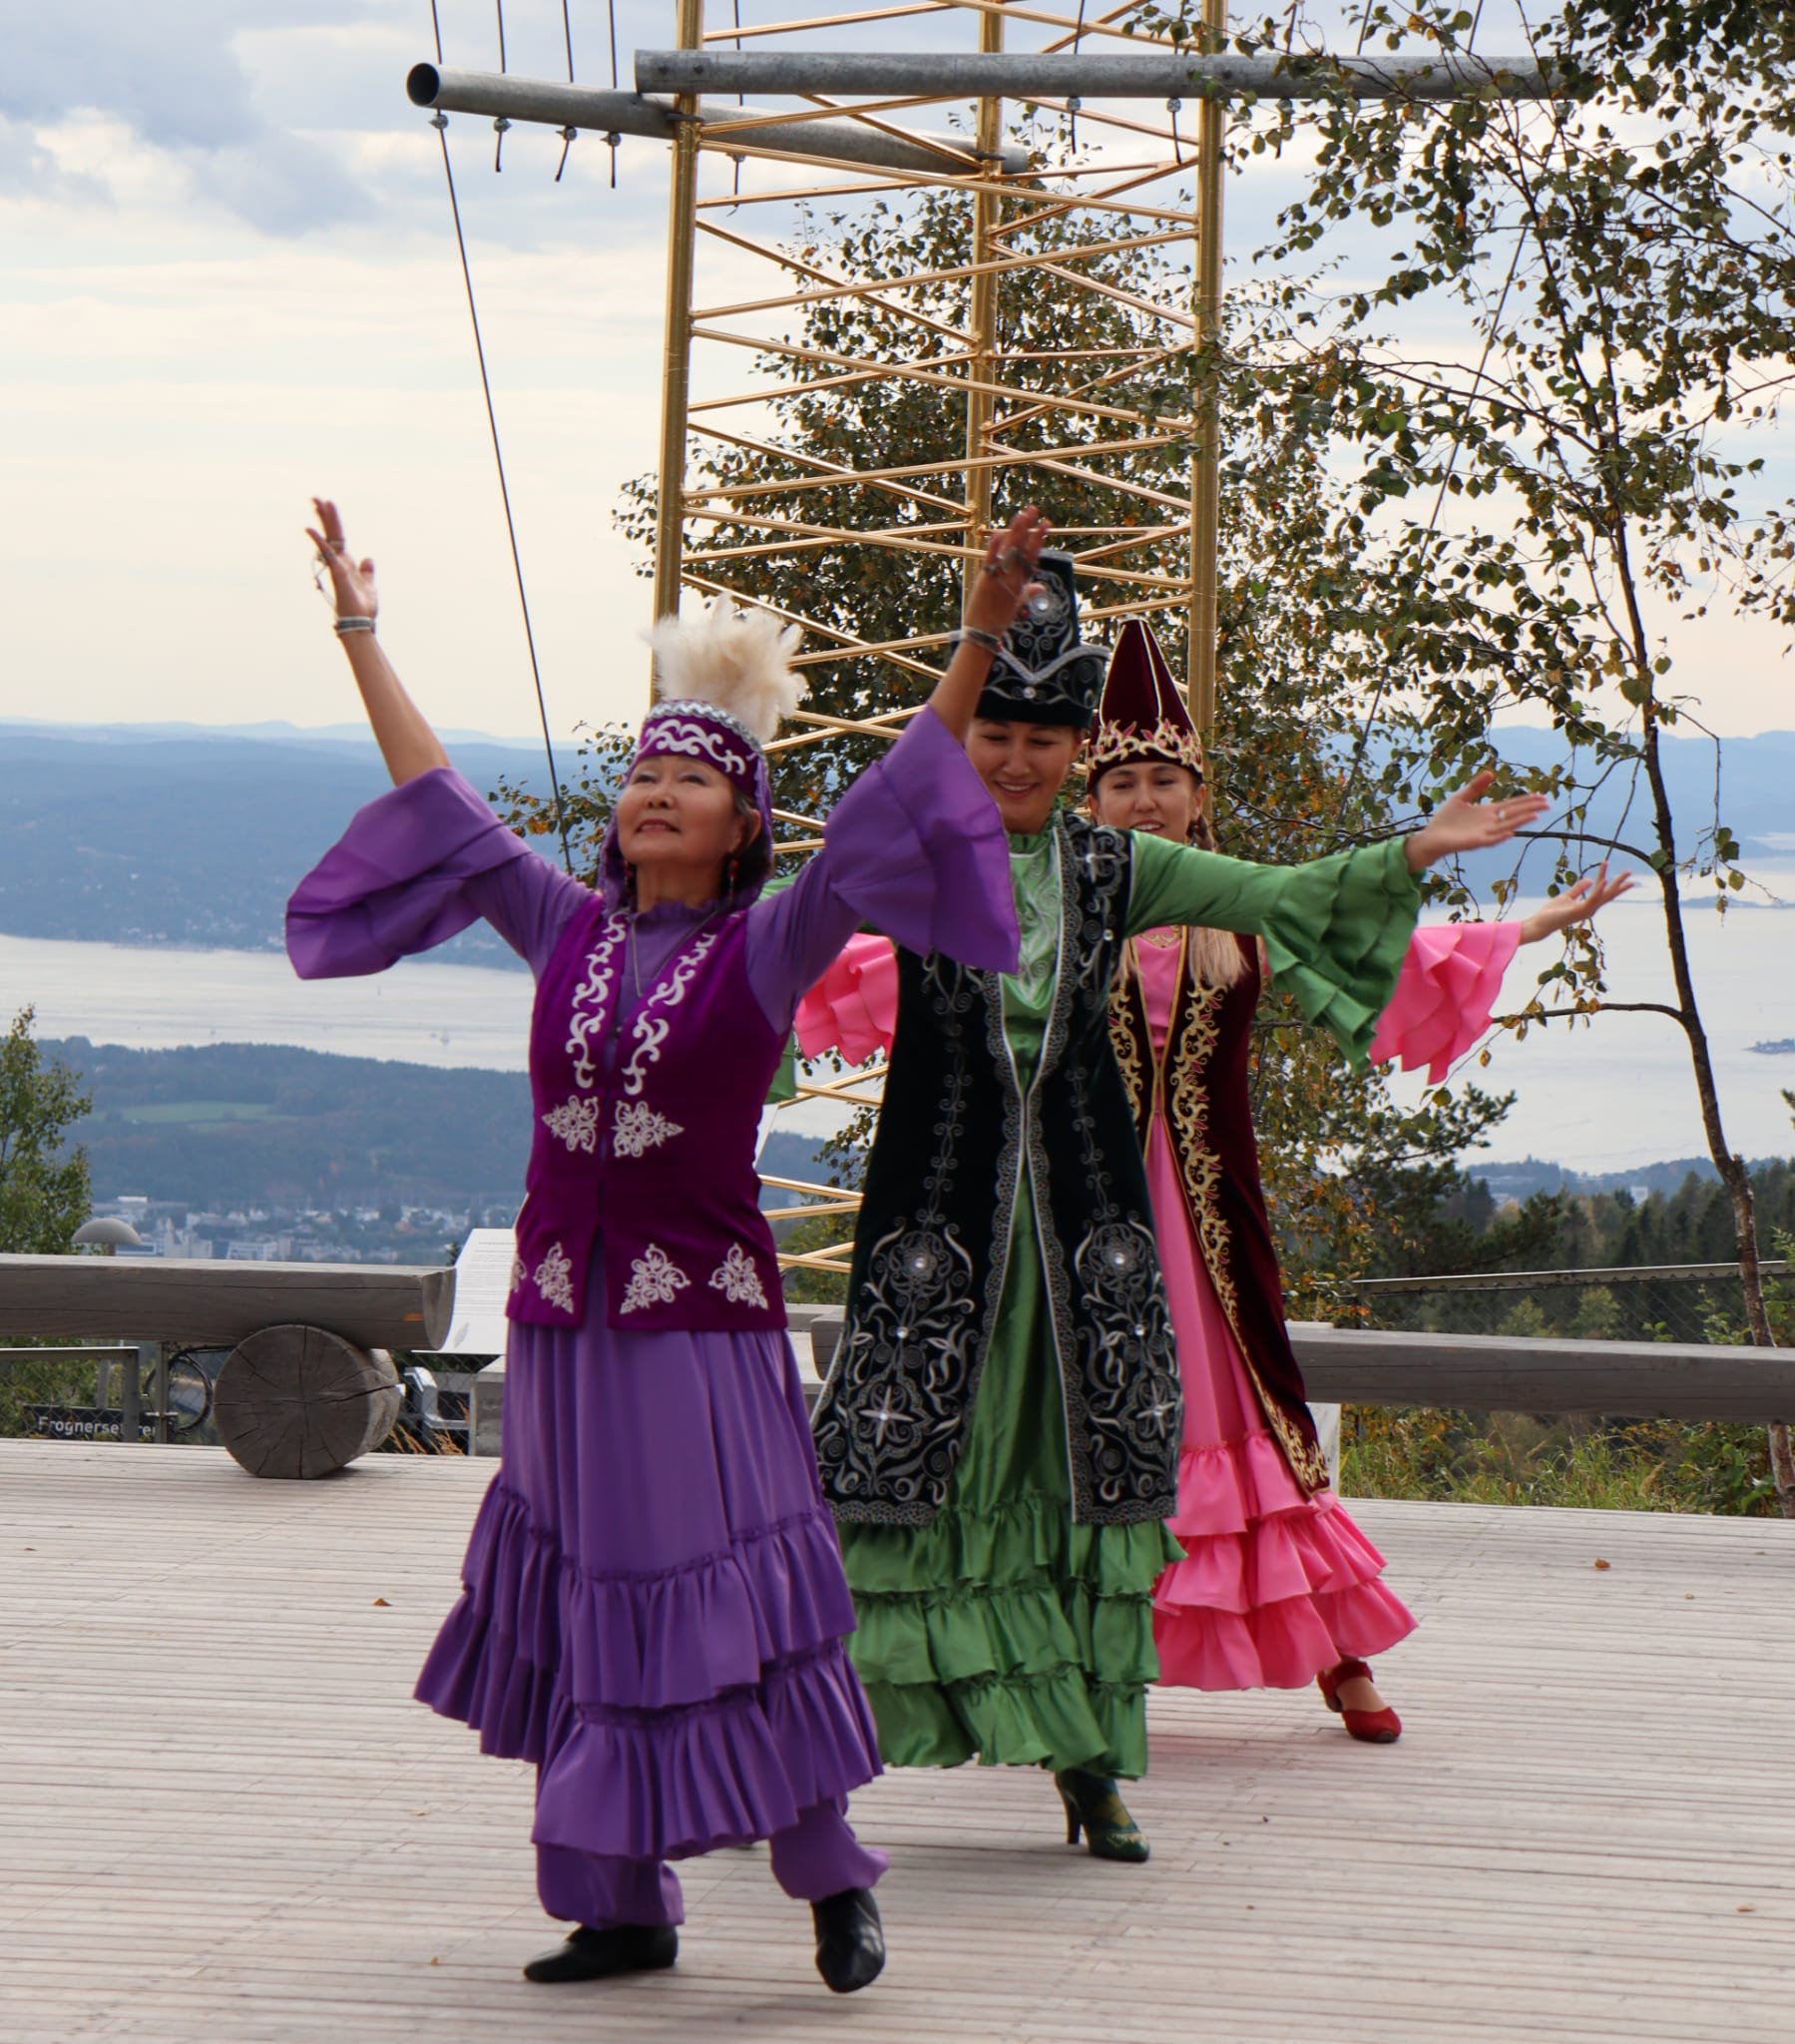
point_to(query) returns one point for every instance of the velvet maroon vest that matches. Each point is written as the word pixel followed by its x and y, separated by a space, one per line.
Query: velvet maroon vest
pixel 1200 1082
pixel 647 1113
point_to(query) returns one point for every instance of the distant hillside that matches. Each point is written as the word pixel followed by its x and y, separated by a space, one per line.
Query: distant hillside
pixel 175 835
pixel 190 840
pixel 240 1125
pixel 237 1125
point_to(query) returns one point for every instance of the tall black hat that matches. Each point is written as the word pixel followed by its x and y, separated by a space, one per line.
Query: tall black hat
pixel 1043 674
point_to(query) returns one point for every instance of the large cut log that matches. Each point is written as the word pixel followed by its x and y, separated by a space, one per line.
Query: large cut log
pixel 302 1401
pixel 150 1298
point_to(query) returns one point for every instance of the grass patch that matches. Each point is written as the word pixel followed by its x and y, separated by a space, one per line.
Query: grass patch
pixel 1517 1458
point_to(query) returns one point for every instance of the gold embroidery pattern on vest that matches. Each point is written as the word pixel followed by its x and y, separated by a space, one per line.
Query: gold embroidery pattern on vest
pixel 1186 1072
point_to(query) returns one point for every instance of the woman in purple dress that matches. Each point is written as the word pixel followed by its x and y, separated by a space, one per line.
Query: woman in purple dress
pixel 654 1606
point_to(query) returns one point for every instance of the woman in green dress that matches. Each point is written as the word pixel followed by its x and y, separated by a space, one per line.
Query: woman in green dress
pixel 998 1434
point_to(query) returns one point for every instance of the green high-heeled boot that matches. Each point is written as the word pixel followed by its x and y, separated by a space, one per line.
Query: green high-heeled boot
pixel 1094 1806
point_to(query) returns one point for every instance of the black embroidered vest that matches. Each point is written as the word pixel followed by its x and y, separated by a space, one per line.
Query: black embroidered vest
pixel 934 1236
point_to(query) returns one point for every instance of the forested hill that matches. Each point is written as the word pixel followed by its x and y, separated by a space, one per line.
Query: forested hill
pixel 171 837
pixel 240 1125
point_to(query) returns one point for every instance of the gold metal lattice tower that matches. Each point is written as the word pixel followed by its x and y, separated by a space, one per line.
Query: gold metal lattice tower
pixel 847 401
pixel 1116 221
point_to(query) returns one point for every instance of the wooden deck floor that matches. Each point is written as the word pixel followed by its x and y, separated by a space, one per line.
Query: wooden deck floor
pixel 222 1817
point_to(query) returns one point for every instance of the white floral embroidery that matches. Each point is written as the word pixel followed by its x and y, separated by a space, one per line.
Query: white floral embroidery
pixel 575 1122
pixel 672 732
pixel 640 1129
pixel 653 1280
pixel 738 1280
pixel 519 1271
pixel 554 1278
pixel 651 1030
pixel 592 999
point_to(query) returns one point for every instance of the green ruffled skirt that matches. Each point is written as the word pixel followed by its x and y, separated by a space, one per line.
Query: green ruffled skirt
pixel 1002 1629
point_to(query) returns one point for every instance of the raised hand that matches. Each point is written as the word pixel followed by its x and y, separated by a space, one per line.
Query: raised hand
pixel 351 582
pixel 1578 902
pixel 1007 578
pixel 1466 822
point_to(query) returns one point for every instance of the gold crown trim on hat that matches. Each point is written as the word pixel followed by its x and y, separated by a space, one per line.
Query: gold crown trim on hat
pixel 1119 745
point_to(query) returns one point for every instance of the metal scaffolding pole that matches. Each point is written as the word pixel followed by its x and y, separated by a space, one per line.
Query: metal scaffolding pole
pixel 1206 478
pixel 979 367
pixel 675 373
pixel 946 74
pixel 506 96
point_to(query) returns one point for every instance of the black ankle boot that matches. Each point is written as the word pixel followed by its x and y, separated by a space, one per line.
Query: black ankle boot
pixel 850 1940
pixel 597 1955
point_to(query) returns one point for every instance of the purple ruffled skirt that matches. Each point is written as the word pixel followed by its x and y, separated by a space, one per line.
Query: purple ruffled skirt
pixel 654 1604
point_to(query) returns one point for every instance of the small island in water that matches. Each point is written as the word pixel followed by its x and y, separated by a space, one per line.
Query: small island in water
pixel 1784 1046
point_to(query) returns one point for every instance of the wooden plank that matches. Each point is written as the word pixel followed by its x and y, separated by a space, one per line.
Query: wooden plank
pixel 375 1305
pixel 1501 1373
pixel 226 1818
pixel 1504 1374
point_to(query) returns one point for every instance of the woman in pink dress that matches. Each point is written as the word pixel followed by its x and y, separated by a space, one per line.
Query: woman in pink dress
pixel 1277 1585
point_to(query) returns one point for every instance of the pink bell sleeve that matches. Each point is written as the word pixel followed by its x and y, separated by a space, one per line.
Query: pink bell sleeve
pixel 853 1007
pixel 1448 987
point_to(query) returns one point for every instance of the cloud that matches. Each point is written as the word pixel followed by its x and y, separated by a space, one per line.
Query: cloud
pixel 27 166
pixel 175 76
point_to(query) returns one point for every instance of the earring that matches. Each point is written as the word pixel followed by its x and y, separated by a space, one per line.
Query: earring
pixel 732 872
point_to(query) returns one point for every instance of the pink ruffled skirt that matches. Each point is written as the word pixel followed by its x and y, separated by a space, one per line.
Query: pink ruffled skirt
pixel 1276 1586
pixel 653 1604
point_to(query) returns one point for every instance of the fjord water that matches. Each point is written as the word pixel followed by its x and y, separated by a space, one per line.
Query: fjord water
pixel 1594 1097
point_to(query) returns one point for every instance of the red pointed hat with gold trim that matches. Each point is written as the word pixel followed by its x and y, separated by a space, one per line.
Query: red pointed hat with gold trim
pixel 1142 715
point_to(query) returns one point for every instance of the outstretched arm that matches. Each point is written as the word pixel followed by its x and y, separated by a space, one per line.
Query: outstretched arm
pixel 407 743
pixel 1466 822
pixel 1001 588
pixel 1578 902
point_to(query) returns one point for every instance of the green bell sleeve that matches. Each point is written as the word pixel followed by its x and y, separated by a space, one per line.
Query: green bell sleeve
pixel 1336 929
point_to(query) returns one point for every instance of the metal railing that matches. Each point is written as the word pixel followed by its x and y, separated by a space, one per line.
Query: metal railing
pixel 1701 1303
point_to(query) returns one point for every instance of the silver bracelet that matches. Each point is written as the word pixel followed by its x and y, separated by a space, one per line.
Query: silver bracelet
pixel 972 635
pixel 344 626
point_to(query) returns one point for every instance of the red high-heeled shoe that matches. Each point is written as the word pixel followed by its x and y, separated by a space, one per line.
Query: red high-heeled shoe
pixel 1375 1728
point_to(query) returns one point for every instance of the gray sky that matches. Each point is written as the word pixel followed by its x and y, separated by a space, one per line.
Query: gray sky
pixel 230 280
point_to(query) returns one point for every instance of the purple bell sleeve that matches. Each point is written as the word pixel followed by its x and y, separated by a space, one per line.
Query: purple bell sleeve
pixel 915 849
pixel 415 868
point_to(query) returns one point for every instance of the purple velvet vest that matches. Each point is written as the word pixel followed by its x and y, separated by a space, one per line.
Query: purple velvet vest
pixel 646 1120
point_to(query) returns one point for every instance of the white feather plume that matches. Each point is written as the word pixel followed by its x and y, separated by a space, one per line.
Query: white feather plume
pixel 739 659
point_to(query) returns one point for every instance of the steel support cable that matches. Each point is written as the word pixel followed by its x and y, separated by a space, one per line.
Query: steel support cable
pixel 441 125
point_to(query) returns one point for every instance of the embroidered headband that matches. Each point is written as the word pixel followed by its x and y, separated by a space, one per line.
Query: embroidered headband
pixel 728 680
